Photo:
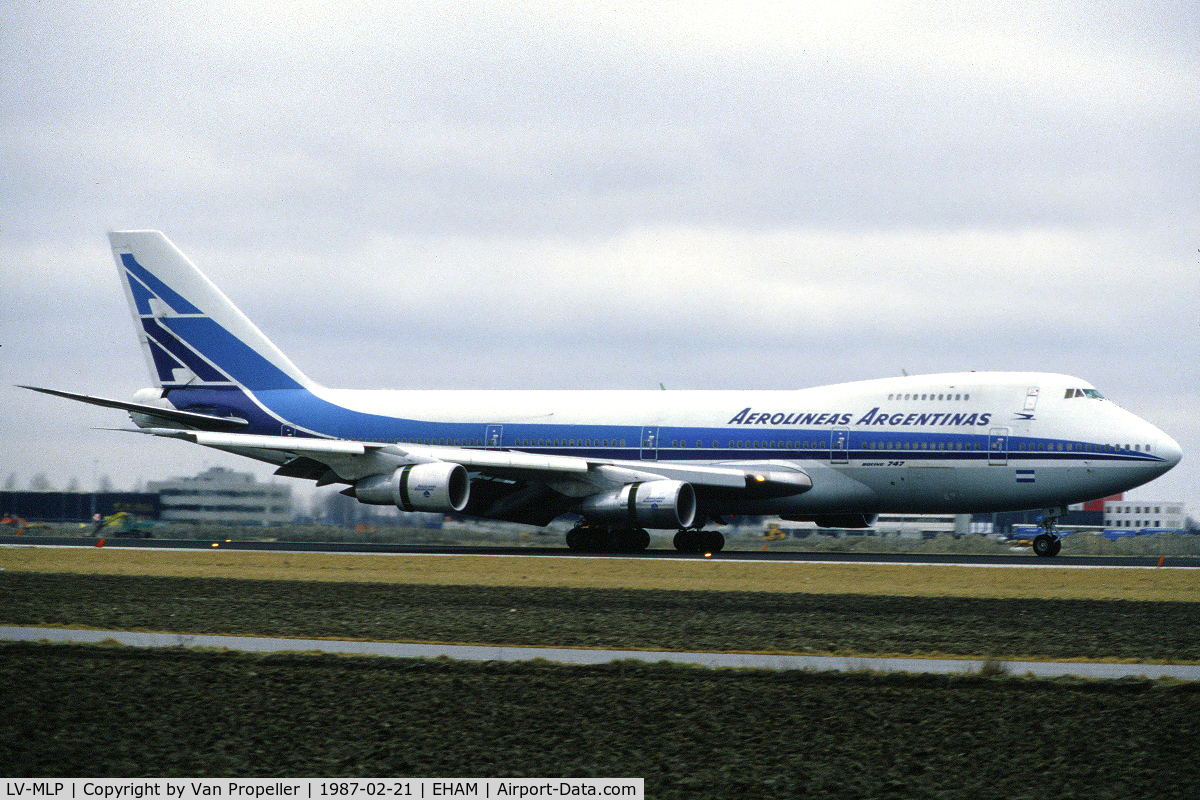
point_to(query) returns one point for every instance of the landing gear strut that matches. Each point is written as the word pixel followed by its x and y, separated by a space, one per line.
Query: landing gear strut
pixel 1049 542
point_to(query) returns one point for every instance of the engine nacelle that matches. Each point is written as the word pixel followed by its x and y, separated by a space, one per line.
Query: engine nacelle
pixel 434 486
pixel 649 504
pixel 846 519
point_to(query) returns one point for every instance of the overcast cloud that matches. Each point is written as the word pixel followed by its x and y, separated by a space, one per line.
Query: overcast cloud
pixel 527 194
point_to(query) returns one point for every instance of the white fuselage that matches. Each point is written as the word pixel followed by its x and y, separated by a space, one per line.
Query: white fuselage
pixel 933 443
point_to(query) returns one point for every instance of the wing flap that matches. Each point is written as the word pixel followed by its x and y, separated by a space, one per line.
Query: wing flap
pixel 285 444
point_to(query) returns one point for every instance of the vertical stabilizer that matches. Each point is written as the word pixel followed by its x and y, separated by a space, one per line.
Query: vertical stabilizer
pixel 191 333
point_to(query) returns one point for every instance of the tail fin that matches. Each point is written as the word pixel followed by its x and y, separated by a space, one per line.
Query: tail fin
pixel 191 333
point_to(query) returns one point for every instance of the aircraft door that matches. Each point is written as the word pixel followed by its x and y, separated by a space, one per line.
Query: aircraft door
pixel 1031 398
pixel 839 446
pixel 494 436
pixel 649 444
pixel 998 447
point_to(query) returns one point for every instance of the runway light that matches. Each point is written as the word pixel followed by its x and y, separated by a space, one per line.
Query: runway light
pixel 708 555
pixel 216 544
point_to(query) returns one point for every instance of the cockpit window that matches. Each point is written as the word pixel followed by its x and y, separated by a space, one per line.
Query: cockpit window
pixel 1093 393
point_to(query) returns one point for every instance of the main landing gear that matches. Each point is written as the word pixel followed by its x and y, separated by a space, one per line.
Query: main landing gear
pixel 592 538
pixel 588 538
pixel 693 541
pixel 1048 543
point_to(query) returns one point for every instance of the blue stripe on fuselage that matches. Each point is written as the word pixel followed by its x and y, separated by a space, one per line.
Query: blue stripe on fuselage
pixel 305 411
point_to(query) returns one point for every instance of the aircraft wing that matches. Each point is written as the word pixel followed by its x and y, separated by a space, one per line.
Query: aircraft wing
pixel 519 479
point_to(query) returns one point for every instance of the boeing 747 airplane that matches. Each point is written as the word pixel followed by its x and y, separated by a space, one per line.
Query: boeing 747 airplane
pixel 627 461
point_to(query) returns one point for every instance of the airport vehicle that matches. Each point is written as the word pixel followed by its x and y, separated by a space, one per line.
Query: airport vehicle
pixel 123 524
pixel 20 525
pixel 627 461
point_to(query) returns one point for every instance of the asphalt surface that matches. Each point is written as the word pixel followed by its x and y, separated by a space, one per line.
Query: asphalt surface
pixel 1016 559
pixel 575 656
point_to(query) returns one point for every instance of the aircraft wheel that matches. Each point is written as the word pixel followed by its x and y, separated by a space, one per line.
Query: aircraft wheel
pixel 687 541
pixel 628 540
pixel 699 541
pixel 1046 545
pixel 575 539
pixel 588 539
pixel 714 541
pixel 639 540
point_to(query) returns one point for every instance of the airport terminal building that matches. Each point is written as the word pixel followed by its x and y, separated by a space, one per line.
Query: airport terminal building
pixel 223 496
pixel 1158 514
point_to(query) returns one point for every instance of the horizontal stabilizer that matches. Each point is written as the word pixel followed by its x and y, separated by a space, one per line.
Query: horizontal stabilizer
pixel 202 421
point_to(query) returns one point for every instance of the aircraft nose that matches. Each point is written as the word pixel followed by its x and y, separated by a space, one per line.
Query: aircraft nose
pixel 1169 450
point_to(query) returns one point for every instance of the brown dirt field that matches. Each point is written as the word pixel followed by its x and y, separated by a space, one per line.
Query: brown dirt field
pixel 691 733
pixel 611 618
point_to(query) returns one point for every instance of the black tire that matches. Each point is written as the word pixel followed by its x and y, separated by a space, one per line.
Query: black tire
pixel 1046 545
pixel 714 541
pixel 574 537
pixel 687 541
pixel 639 540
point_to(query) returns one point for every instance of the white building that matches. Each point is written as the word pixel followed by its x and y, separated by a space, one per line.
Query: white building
pixel 220 495
pixel 1162 514
pixel 921 525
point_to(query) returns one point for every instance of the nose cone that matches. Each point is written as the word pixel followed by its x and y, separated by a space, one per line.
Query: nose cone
pixel 1160 452
pixel 1164 450
pixel 1168 450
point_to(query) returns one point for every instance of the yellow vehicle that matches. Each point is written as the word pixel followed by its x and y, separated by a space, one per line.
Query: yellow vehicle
pixel 774 532
pixel 122 523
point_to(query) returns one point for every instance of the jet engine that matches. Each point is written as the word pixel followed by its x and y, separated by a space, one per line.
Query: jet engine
pixel 648 504
pixel 433 486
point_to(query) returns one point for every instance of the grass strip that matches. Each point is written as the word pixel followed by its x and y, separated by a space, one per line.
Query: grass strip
pixel 1035 581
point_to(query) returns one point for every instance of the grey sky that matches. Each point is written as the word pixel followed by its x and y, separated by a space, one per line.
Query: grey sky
pixel 605 195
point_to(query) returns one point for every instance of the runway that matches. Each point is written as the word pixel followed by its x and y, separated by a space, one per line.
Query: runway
pixel 1014 560
pixel 255 644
